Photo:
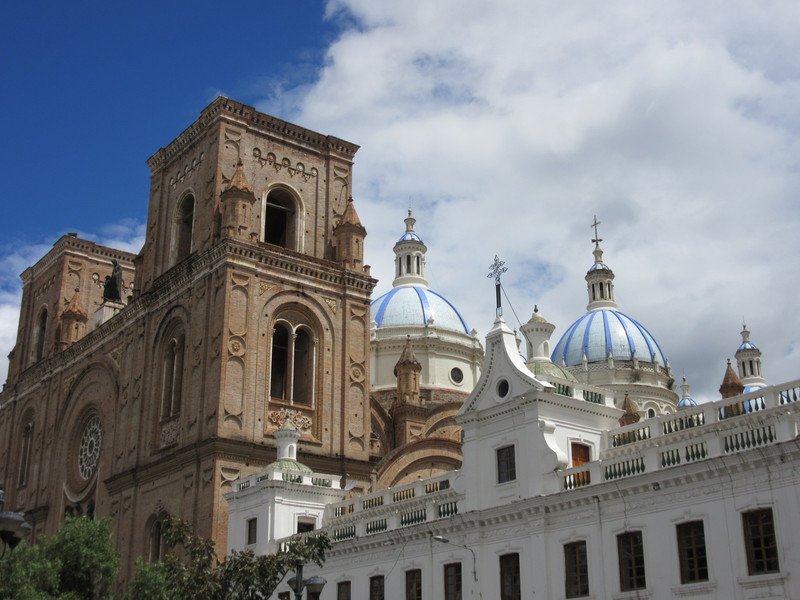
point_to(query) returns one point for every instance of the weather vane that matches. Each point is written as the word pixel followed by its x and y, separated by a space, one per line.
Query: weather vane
pixel 496 269
pixel 596 239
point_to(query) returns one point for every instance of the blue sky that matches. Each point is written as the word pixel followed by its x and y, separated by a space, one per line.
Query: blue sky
pixel 508 129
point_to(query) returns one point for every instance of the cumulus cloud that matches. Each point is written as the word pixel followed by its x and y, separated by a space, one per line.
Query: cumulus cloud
pixel 509 126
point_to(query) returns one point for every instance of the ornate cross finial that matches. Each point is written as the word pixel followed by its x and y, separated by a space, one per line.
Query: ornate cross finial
pixel 496 269
pixel 597 238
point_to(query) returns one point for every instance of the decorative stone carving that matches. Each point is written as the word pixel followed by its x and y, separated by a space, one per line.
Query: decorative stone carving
pixel 169 433
pixel 279 417
pixel 332 304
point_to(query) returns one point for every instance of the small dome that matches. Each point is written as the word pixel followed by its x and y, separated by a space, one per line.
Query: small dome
pixel 409 236
pixel 288 464
pixel 598 266
pixel 602 332
pixel 416 305
pixel 545 367
pixel 747 346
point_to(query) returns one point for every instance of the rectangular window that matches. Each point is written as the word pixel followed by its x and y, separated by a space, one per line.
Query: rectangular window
pixel 252 531
pixel 760 542
pixel 285 596
pixel 510 588
pixel 376 587
pixel 452 581
pixel 304 526
pixel 414 584
pixel 692 552
pixel 576 570
pixel 343 590
pixel 631 561
pixel 506 464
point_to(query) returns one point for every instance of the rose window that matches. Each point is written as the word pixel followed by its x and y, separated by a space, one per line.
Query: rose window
pixel 90 447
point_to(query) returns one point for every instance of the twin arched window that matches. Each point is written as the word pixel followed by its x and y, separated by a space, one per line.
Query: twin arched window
pixel 292 367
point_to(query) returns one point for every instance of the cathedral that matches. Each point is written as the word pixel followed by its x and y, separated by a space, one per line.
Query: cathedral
pixel 143 385
pixel 244 359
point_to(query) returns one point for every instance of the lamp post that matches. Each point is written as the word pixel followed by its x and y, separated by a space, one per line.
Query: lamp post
pixel 13 527
pixel 314 584
pixel 444 540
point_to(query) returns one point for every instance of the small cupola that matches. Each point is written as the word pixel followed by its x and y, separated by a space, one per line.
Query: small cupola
pixel 748 361
pixel 686 400
pixel 410 257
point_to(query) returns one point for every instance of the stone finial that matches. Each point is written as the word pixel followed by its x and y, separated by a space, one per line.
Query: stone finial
pixel 239 180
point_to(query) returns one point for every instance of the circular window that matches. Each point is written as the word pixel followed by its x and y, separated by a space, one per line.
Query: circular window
pixel 90 447
pixel 502 388
pixel 456 375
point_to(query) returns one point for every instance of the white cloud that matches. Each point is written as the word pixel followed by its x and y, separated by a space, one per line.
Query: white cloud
pixel 510 125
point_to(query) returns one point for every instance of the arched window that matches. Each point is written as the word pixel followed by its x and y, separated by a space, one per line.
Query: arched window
pixel 184 224
pixel 172 377
pixel 25 453
pixel 280 222
pixel 418 263
pixel 157 547
pixel 39 335
pixel 292 365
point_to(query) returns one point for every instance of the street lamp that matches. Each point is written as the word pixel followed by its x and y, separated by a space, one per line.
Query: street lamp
pixel 12 529
pixel 314 584
pixel 444 540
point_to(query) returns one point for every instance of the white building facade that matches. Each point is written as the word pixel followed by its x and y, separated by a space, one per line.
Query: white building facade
pixel 556 500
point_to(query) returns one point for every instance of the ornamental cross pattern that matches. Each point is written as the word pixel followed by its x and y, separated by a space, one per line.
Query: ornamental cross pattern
pixel 496 269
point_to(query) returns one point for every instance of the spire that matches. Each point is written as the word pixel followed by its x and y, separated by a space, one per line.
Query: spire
pixel 408 369
pixel 410 257
pixel 239 181
pixel 631 415
pixel 74 308
pixel 599 278
pixel 731 384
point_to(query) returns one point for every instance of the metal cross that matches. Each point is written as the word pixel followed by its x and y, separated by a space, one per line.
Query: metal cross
pixel 496 269
pixel 596 239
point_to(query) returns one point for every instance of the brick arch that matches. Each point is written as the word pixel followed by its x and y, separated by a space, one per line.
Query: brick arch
pixel 419 459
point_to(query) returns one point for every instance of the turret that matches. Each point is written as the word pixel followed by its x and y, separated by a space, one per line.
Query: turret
pixel 348 237
pixel 72 322
pixel 748 361
pixel 236 203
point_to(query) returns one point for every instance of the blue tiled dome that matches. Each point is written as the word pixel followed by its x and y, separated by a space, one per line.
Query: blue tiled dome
pixel 686 403
pixel 415 305
pixel 409 236
pixel 747 346
pixel 600 332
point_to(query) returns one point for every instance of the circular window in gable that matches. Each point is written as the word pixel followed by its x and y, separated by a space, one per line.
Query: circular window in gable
pixel 89 450
pixel 456 375
pixel 502 388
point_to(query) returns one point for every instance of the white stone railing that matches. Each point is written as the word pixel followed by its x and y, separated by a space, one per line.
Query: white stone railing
pixel 392 508
pixel 292 476
pixel 766 416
